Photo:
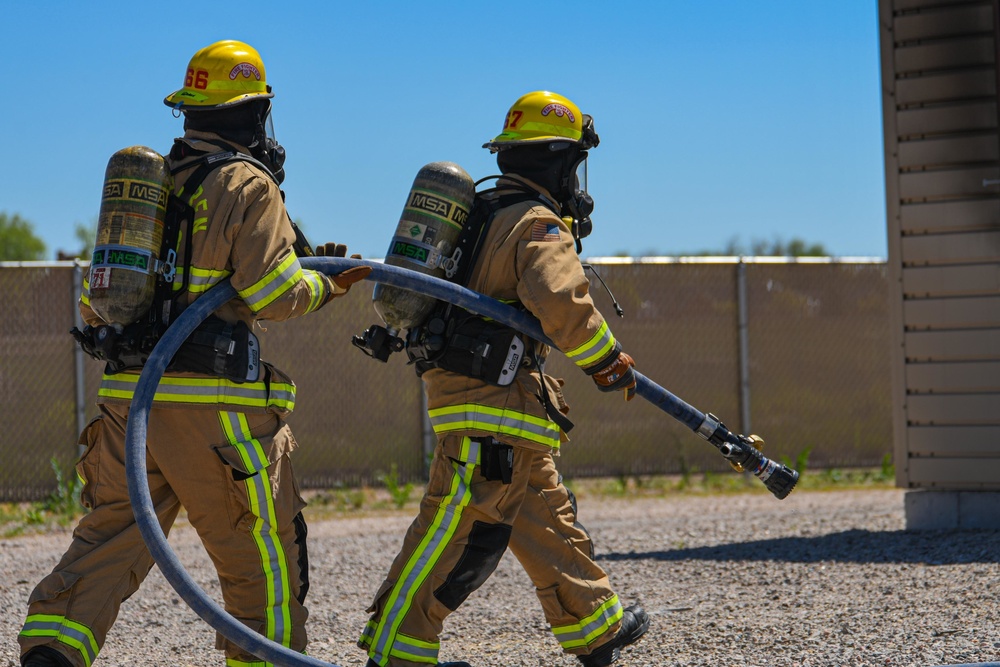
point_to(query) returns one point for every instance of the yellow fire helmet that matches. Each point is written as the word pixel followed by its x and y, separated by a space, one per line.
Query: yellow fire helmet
pixel 544 117
pixel 223 74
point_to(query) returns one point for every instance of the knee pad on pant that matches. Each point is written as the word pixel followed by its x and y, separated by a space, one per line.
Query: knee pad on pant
pixel 487 542
pixel 300 539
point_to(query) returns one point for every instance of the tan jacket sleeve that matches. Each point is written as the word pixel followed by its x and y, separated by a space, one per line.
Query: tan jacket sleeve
pixel 553 286
pixel 265 269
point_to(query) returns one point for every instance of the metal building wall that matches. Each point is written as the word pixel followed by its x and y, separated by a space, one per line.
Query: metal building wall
pixel 942 148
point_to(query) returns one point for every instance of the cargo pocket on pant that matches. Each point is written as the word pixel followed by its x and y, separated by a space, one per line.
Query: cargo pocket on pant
pixel 555 612
pixel 88 466
pixel 52 587
pixel 249 461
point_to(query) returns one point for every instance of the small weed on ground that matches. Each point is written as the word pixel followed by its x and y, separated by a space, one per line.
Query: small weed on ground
pixel 60 509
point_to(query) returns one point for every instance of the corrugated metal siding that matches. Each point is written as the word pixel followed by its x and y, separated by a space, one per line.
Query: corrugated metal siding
pixel 942 139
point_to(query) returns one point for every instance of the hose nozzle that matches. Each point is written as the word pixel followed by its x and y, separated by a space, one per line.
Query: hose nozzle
pixel 743 453
pixel 778 478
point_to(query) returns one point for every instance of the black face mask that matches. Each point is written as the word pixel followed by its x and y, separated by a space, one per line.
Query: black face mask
pixel 578 204
pixel 248 125
pixel 266 148
pixel 556 171
pixel 272 154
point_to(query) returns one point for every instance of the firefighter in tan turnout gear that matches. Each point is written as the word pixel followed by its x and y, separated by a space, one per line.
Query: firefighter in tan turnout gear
pixel 493 480
pixel 217 442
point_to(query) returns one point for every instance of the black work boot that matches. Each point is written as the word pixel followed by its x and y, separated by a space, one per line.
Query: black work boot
pixel 43 656
pixel 635 622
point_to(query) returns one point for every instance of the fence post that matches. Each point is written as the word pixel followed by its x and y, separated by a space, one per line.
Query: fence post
pixel 744 336
pixel 81 407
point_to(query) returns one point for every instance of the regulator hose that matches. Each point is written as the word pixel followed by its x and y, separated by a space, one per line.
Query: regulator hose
pixel 779 479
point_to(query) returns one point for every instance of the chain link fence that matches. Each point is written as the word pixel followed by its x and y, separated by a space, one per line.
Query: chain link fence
pixel 796 351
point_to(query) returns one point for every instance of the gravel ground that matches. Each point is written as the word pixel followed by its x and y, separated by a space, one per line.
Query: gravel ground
pixel 821 578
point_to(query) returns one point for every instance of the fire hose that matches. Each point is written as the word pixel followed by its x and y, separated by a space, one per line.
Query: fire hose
pixel 739 450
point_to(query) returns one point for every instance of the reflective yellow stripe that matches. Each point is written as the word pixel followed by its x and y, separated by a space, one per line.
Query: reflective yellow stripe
pixel 283 278
pixel 60 628
pixel 593 627
pixel 386 640
pixel 274 562
pixel 494 420
pixel 594 349
pixel 85 292
pixel 317 289
pixel 201 280
pixel 204 391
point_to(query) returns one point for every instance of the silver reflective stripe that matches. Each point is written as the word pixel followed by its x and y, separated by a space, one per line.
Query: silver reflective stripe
pixel 496 420
pixel 273 285
pixel 317 289
pixel 590 628
pixel 416 650
pixel 265 529
pixel 594 349
pixel 202 279
pixel 70 633
pixel 204 391
pixel 421 562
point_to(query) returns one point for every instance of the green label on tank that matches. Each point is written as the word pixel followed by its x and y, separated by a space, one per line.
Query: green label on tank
pixel 411 251
pixel 121 257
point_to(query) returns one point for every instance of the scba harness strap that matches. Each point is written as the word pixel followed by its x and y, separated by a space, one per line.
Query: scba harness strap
pixel 216 347
pixel 456 340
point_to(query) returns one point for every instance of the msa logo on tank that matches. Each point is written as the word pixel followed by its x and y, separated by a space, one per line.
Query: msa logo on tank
pixel 122 257
pixel 138 191
pixel 423 201
pixel 424 243
pixel 411 251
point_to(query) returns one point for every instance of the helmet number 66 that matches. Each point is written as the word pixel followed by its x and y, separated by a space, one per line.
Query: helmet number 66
pixel 196 79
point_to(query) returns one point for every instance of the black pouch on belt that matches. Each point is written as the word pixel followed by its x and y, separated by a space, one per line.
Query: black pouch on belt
pixel 497 460
pixel 219 348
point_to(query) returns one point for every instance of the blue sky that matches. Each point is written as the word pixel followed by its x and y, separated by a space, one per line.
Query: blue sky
pixel 720 120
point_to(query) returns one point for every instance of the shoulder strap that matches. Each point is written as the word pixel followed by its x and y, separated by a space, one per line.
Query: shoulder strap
pixel 210 161
pixel 484 209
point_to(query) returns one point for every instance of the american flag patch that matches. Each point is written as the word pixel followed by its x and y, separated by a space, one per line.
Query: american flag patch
pixel 544 231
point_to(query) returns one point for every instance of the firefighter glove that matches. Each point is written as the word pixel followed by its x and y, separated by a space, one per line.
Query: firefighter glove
pixel 616 374
pixel 342 281
pixel 333 250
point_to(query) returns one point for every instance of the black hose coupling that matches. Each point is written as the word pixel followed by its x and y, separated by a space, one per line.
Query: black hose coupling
pixel 378 343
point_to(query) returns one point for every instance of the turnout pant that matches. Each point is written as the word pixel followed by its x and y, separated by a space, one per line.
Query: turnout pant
pixel 468 517
pixel 232 474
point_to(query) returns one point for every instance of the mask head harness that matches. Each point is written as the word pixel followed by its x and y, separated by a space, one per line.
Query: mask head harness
pixel 248 124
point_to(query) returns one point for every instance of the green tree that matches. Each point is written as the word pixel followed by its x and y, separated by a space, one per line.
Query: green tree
pixel 18 242
pixel 86 235
pixel 794 248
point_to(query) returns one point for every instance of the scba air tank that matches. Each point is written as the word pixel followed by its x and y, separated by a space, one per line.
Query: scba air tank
pixel 436 210
pixel 126 258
